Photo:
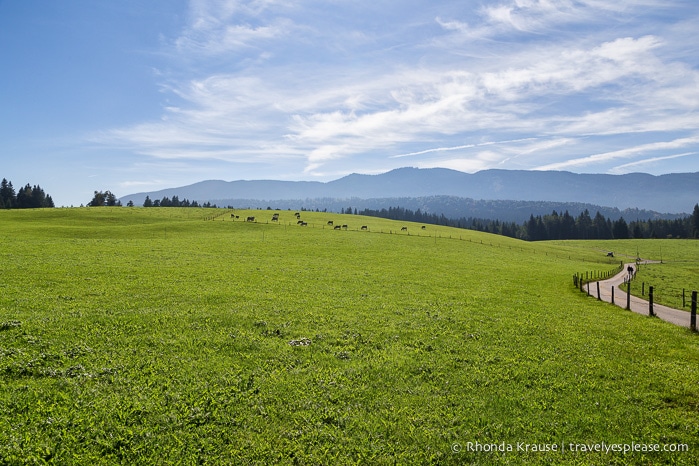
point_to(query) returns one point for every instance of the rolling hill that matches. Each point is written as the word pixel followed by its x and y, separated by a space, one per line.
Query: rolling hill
pixel 183 336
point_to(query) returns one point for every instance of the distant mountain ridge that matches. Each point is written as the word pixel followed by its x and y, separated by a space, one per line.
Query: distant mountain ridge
pixel 672 193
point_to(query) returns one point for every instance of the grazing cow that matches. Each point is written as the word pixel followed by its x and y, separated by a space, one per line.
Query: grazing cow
pixel 423 227
pixel 299 222
pixel 364 227
pixel 250 219
pixel 232 215
pixel 330 222
pixel 337 227
pixel 297 215
pixel 304 224
pixel 344 226
pixel 404 229
pixel 610 254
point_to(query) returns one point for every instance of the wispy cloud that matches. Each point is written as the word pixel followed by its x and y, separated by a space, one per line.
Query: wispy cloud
pixel 521 83
pixel 462 147
pixel 620 169
pixel 220 26
pixel 622 154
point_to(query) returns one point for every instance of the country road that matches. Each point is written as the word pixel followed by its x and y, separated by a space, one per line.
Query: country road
pixel 638 305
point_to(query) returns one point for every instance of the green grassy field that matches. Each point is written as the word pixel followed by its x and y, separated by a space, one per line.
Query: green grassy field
pixel 154 336
pixel 669 280
pixel 678 271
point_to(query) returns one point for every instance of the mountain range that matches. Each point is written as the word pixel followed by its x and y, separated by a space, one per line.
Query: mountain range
pixel 671 193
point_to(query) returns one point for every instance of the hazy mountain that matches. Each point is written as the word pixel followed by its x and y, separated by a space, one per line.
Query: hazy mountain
pixel 673 193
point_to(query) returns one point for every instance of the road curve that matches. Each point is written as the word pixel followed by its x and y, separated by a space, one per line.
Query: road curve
pixel 638 305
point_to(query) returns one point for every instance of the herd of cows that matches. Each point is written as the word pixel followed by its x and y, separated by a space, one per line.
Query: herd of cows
pixel 275 218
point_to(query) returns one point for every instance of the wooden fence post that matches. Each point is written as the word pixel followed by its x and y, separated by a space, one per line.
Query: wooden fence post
pixel 612 294
pixel 628 296
pixel 693 315
pixel 650 301
pixel 683 301
pixel 643 288
pixel 598 295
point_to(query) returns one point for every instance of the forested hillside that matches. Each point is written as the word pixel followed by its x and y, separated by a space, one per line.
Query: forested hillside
pixel 554 226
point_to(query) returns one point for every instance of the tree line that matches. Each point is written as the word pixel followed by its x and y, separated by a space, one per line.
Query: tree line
pixel 110 200
pixel 28 197
pixel 553 226
pixel 174 202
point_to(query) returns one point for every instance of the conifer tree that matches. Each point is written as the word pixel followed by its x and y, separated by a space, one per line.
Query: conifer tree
pixel 7 194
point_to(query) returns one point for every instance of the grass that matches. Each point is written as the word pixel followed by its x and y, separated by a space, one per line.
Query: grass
pixel 678 271
pixel 673 282
pixel 132 335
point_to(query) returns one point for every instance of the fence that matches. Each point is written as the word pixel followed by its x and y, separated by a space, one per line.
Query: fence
pixel 580 280
pixel 594 275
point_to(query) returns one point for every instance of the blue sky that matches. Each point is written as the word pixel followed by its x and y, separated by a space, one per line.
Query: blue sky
pixel 135 95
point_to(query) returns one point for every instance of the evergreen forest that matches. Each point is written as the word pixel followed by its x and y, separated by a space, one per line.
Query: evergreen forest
pixel 28 197
pixel 554 226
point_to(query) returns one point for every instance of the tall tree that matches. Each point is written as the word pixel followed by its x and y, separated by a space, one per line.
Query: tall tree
pixel 694 222
pixel 24 197
pixel 600 228
pixel 104 199
pixel 111 199
pixel 7 194
pixel 620 230
pixel 567 226
pixel 583 225
pixel 97 200
pixel 38 197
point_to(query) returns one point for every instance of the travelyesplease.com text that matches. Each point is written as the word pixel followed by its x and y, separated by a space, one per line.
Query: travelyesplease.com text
pixel 603 447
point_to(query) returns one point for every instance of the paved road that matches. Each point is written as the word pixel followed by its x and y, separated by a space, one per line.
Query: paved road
pixel 638 305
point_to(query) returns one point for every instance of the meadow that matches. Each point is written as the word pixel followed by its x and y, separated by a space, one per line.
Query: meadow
pixel 184 336
pixel 675 270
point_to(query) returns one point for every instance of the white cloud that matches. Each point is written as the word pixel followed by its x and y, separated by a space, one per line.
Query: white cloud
pixel 468 165
pixel 625 168
pixel 218 27
pixel 334 92
pixel 462 147
pixel 621 153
